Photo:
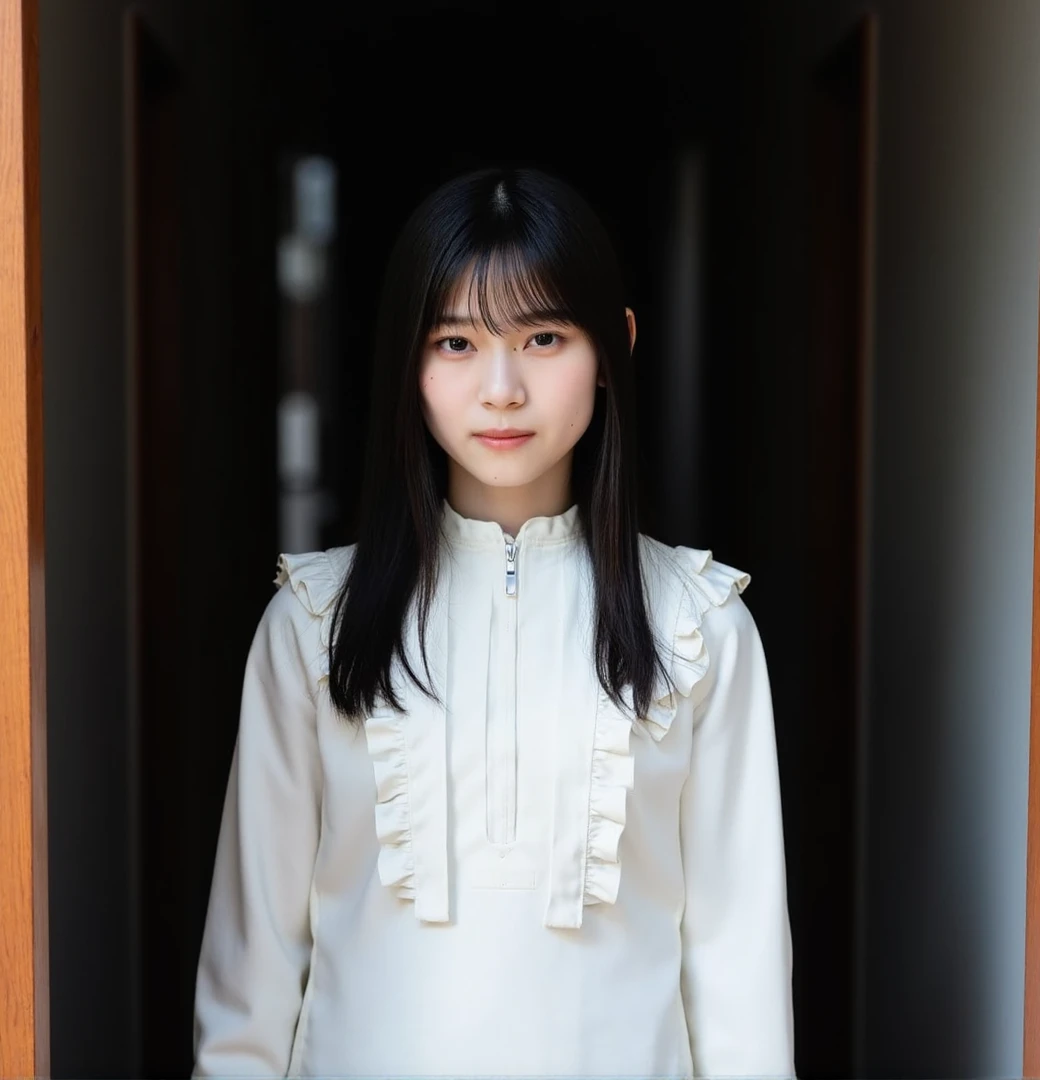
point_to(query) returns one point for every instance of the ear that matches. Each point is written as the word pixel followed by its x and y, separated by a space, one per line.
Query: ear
pixel 630 318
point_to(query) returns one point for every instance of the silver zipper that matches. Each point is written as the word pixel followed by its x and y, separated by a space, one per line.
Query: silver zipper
pixel 510 566
pixel 502 800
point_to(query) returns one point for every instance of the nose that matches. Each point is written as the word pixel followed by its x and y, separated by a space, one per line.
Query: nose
pixel 502 379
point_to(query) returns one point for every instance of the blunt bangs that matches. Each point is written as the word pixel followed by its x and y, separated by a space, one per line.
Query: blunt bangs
pixel 504 287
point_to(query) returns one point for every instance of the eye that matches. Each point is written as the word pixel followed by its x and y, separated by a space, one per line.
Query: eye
pixel 453 344
pixel 544 339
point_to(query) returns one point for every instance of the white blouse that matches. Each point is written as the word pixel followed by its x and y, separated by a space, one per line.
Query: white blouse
pixel 520 881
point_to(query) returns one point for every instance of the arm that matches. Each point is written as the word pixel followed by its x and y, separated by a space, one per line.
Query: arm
pixel 257 941
pixel 736 968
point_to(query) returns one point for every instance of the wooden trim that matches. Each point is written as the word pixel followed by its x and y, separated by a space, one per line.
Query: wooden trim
pixel 1031 1034
pixel 24 1006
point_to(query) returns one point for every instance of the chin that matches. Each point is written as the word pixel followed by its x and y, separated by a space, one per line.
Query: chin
pixel 505 477
pixel 504 480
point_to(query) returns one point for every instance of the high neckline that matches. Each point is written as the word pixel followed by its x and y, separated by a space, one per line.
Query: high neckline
pixel 544 529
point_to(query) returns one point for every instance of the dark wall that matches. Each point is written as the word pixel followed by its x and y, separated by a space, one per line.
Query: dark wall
pixel 93 850
pixel 942 882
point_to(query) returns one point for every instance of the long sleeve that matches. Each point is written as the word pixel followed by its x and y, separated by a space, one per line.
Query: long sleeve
pixel 737 957
pixel 256 944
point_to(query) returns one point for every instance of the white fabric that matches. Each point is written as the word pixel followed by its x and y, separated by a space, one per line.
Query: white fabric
pixel 520 881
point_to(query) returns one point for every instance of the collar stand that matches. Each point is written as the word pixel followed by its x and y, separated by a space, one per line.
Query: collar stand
pixel 544 529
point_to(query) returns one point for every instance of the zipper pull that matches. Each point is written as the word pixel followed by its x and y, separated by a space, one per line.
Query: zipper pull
pixel 510 567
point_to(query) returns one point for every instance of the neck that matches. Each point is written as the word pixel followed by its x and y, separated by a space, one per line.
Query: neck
pixel 510 507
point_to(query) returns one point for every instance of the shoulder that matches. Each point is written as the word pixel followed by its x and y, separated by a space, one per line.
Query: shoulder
pixel 315 578
pixel 691 581
pixel 696 609
pixel 295 627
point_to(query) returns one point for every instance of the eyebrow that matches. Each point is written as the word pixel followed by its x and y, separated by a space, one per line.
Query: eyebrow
pixel 546 315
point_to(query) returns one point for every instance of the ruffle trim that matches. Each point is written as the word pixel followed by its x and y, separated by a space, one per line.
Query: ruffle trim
pixel 705 584
pixel 388 750
pixel 613 777
pixel 316 577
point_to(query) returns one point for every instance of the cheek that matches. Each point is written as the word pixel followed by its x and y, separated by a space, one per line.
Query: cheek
pixel 574 392
pixel 440 398
pixel 428 389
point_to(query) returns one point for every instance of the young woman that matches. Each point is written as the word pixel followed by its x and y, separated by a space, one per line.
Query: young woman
pixel 504 799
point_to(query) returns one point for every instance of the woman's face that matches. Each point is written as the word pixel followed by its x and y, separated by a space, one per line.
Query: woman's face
pixel 539 379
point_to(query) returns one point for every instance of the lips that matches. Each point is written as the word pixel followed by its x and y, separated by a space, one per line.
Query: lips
pixel 504 438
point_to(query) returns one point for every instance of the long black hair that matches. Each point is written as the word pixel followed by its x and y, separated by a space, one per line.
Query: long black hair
pixel 532 243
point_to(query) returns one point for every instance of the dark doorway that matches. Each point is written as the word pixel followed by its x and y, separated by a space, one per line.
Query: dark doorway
pixel 400 97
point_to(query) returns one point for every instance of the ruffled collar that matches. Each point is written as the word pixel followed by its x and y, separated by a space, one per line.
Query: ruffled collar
pixel 544 529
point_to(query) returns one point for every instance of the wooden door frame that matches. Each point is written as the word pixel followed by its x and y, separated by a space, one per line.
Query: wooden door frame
pixel 1031 1025
pixel 24 959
